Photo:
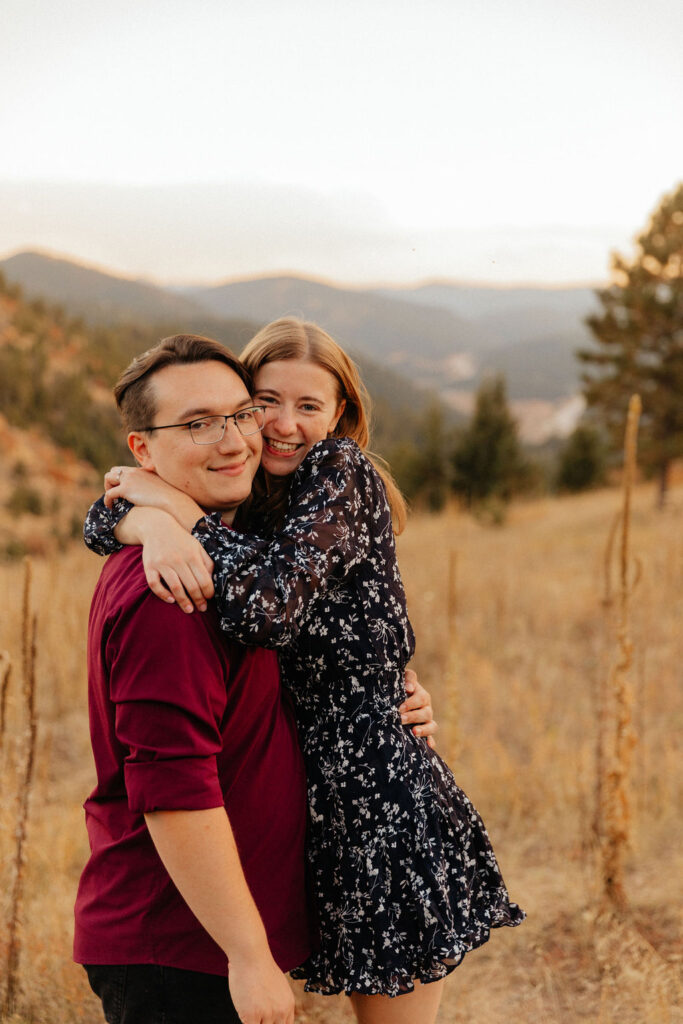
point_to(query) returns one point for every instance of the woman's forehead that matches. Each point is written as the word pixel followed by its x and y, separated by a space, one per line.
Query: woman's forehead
pixel 299 377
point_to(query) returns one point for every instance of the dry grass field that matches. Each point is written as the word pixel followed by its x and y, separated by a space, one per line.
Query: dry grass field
pixel 516 691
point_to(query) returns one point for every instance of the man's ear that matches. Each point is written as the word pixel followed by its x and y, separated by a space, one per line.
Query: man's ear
pixel 138 444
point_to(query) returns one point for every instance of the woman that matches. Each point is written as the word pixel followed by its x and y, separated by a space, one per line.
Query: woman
pixel 404 877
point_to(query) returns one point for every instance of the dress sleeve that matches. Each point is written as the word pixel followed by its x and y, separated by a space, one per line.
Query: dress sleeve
pixel 264 587
pixel 100 522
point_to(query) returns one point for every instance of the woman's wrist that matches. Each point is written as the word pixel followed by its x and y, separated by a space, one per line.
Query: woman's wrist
pixel 141 523
pixel 184 509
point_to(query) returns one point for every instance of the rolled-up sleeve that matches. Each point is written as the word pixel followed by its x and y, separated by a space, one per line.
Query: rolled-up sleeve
pixel 167 686
pixel 176 784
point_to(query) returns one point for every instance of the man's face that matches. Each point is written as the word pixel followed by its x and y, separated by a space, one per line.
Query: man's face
pixel 218 476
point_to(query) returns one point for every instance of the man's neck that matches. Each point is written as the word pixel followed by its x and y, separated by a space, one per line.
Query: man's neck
pixel 227 514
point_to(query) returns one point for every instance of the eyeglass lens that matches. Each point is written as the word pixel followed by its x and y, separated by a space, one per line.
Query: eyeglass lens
pixel 212 428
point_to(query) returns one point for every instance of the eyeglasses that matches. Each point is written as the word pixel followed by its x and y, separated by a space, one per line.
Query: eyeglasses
pixel 211 429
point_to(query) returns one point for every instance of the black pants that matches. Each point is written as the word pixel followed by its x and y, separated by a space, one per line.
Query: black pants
pixel 149 994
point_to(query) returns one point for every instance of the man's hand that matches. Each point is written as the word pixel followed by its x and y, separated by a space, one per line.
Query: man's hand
pixel 417 709
pixel 261 993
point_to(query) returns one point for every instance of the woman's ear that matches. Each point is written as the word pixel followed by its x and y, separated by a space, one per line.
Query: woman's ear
pixel 138 444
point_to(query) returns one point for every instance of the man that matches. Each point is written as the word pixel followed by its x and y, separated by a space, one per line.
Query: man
pixel 197 821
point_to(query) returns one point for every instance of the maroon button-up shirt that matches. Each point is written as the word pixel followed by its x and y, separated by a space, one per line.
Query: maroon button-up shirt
pixel 180 718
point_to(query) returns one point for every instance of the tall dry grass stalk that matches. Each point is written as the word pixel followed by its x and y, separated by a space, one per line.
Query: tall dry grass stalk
pixel 5 673
pixel 602 690
pixel 608 599
pixel 26 779
pixel 618 735
pixel 452 655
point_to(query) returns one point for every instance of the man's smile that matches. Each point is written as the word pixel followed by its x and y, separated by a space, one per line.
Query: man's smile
pixel 232 469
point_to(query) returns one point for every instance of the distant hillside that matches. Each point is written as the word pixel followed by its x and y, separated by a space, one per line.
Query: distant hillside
pixel 57 423
pixel 365 321
pixel 545 367
pixel 490 304
pixel 514 326
pixel 439 335
pixel 97 295
pixel 532 335
pixel 55 377
pixel 102 298
pixel 44 492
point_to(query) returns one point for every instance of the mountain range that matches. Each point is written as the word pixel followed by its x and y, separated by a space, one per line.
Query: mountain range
pixel 439 336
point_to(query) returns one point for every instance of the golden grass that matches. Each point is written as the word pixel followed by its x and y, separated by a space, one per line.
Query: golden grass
pixel 534 643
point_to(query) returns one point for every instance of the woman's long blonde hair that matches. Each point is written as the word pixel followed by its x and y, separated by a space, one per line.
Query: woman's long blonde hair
pixel 290 338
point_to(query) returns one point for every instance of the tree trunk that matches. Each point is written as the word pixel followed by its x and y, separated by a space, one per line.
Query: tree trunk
pixel 663 489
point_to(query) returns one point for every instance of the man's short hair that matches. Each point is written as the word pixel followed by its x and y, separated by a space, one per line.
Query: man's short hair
pixel 132 391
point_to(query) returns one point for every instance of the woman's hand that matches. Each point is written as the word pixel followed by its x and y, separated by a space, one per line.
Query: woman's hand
pixel 139 486
pixel 144 487
pixel 418 709
pixel 177 567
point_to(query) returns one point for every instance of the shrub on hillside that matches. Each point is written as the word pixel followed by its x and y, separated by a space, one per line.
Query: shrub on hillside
pixel 25 500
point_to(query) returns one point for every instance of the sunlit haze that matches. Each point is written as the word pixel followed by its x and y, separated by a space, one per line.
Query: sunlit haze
pixel 502 141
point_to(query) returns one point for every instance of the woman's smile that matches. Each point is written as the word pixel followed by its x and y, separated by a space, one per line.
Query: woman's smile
pixel 285 448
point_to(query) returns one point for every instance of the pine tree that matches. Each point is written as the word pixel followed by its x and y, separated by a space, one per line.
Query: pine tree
pixel 421 466
pixel 487 459
pixel 640 341
pixel 432 464
pixel 583 460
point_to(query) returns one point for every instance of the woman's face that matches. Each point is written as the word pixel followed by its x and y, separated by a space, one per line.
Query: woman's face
pixel 301 408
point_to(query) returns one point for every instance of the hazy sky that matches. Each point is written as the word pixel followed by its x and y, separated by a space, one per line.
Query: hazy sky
pixel 364 140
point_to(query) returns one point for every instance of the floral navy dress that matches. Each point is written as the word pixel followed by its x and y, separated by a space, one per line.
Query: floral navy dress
pixel 404 878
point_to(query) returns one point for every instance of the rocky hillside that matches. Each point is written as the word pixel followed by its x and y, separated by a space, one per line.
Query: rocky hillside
pixel 58 424
pixel 44 492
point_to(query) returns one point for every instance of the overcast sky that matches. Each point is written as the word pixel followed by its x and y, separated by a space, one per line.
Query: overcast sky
pixel 369 140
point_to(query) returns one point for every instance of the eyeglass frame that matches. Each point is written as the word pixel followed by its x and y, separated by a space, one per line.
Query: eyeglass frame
pixel 225 416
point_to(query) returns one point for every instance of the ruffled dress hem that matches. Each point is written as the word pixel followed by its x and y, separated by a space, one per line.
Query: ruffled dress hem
pixel 398 981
